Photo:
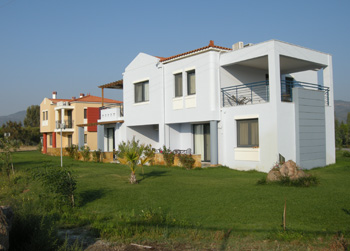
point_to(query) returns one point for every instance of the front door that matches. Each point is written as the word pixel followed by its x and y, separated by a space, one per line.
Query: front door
pixel 201 138
pixel 110 139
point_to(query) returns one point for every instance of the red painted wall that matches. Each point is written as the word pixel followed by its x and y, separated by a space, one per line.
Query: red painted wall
pixel 45 143
pixel 53 140
pixel 93 114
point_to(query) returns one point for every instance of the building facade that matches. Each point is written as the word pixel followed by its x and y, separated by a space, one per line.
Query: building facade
pixel 77 117
pixel 246 107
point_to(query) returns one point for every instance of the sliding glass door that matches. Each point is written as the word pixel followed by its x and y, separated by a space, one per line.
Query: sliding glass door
pixel 201 138
pixel 110 139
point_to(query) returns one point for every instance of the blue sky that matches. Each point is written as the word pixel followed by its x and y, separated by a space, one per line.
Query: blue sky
pixel 74 46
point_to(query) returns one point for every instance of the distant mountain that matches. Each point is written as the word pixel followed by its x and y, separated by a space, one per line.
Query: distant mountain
pixel 17 117
pixel 341 109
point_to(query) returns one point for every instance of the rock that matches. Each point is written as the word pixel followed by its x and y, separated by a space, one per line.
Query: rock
pixel 289 169
pixel 6 216
pixel 273 175
pixel 301 174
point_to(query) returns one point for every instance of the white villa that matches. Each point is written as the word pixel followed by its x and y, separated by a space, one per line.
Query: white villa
pixel 245 107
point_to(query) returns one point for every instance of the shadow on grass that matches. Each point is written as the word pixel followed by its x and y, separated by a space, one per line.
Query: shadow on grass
pixel 153 174
pixel 90 195
pixel 347 211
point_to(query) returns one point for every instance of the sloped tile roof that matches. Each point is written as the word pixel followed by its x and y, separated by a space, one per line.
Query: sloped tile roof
pixel 211 45
pixel 88 98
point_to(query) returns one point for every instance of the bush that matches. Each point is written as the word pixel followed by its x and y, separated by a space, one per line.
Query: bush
pixel 286 181
pixel 85 152
pixel 73 151
pixel 346 154
pixel 60 181
pixel 186 160
pixel 168 156
pixel 96 155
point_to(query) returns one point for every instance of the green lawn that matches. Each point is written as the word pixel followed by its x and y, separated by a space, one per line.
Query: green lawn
pixel 212 206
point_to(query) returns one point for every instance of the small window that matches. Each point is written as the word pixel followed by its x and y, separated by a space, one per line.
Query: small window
pixel 47 115
pixel 191 83
pixel 70 140
pixel 50 139
pixel 142 92
pixel 85 138
pixel 85 113
pixel 43 115
pixel 248 133
pixel 178 85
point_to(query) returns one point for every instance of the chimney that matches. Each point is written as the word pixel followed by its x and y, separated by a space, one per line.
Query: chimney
pixel 81 95
pixel 54 95
pixel 73 98
pixel 237 46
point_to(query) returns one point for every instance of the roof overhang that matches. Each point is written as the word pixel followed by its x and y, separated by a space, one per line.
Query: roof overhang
pixel 101 123
pixel 113 85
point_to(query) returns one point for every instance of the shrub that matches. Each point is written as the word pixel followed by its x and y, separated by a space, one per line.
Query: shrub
pixel 97 155
pixel 85 152
pixel 186 160
pixel 73 151
pixel 148 155
pixel 60 181
pixel 286 181
pixel 346 154
pixel 168 156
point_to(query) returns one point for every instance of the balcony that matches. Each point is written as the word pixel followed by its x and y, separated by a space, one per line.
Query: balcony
pixel 287 87
pixel 258 92
pixel 68 124
pixel 111 113
pixel 252 93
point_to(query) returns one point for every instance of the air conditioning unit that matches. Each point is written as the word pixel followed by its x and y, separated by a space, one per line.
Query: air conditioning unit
pixel 237 46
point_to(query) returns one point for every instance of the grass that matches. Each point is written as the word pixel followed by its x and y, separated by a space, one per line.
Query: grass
pixel 215 208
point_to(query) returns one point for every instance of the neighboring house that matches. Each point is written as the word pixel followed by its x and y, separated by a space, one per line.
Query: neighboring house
pixel 78 118
pixel 245 107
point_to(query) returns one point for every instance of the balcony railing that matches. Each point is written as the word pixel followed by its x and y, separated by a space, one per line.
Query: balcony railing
pixel 68 124
pixel 252 93
pixel 287 87
pixel 109 111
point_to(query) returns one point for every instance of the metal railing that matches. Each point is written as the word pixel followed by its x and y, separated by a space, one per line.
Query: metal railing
pixel 68 124
pixel 252 93
pixel 287 87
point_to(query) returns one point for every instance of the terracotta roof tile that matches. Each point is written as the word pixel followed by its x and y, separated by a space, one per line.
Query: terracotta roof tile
pixel 211 45
pixel 91 98
pixel 88 98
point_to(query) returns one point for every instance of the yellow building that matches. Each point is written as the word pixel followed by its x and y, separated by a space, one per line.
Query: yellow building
pixel 75 117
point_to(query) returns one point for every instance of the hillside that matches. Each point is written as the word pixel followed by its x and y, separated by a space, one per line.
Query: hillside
pixel 341 109
pixel 18 117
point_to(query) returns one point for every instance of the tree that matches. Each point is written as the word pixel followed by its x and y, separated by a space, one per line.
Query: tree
pixel 32 118
pixel 131 152
pixel 15 130
pixel 6 148
pixel 338 136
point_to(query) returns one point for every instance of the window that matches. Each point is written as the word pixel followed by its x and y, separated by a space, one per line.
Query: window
pixel 141 92
pixel 85 138
pixel 85 113
pixel 50 139
pixel 47 115
pixel 191 82
pixel 248 133
pixel 43 115
pixel 70 140
pixel 178 85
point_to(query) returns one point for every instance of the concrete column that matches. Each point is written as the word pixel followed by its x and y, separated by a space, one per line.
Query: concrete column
pixel 62 115
pixel 214 142
pixel 45 143
pixel 80 136
pixel 53 140
pixel 329 113
pixel 100 137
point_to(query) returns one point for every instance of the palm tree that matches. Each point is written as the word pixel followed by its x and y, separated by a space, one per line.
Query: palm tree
pixel 131 152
